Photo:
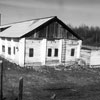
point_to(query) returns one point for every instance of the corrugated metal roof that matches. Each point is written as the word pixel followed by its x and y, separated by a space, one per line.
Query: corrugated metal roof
pixel 17 30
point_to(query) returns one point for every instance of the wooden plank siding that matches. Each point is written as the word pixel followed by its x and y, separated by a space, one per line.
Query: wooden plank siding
pixel 91 55
pixel 86 55
pixel 95 58
pixel 53 30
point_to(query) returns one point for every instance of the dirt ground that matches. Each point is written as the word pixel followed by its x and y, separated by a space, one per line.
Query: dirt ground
pixel 50 84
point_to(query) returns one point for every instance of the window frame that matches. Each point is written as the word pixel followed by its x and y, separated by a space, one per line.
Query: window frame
pixel 3 48
pixel 56 52
pixel 9 50
pixel 49 52
pixel 31 52
pixel 14 50
pixel 73 52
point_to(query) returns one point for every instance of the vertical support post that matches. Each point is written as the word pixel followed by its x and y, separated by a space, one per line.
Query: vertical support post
pixel 0 19
pixel 24 51
pixel 79 48
pixel 0 22
pixel 43 51
pixel 60 51
pixel 20 88
pixel 0 31
pixel 1 87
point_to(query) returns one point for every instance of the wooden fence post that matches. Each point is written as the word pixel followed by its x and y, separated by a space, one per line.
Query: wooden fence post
pixel 20 89
pixel 1 80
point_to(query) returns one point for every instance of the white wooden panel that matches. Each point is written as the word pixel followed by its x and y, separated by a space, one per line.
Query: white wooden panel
pixel 86 55
pixel 95 57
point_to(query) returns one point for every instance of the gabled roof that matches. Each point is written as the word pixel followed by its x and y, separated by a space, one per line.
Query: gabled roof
pixel 19 29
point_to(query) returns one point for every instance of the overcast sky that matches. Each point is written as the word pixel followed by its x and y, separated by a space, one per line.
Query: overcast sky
pixel 74 12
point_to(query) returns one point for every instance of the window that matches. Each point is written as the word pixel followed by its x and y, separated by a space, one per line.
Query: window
pixel 8 39
pixel 56 53
pixel 31 50
pixel 3 38
pixel 16 40
pixel 72 52
pixel 14 50
pixel 3 48
pixel 9 50
pixel 49 52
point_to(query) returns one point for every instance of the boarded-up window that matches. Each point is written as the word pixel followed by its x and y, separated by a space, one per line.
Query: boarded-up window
pixel 72 52
pixel 49 52
pixel 14 50
pixel 3 48
pixel 31 52
pixel 56 52
pixel 9 50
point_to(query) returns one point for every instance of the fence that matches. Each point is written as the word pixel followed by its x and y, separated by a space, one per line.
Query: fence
pixel 20 95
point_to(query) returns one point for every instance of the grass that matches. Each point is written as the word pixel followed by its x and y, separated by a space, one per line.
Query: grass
pixel 48 84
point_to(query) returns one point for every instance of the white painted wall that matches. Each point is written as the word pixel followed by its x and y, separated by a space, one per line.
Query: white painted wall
pixel 36 45
pixel 43 51
pixel 0 46
pixel 73 44
pixel 79 49
pixel 53 44
pixel 70 44
pixel 68 53
pixel 60 50
pixel 2 42
pixel 10 43
pixel 16 56
pixel 40 47
pixel 22 51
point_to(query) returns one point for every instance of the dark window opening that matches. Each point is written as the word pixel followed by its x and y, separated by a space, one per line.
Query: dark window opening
pixel 49 52
pixel 3 38
pixel 3 48
pixel 56 53
pixel 14 50
pixel 31 50
pixel 9 50
pixel 9 39
pixel 72 52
